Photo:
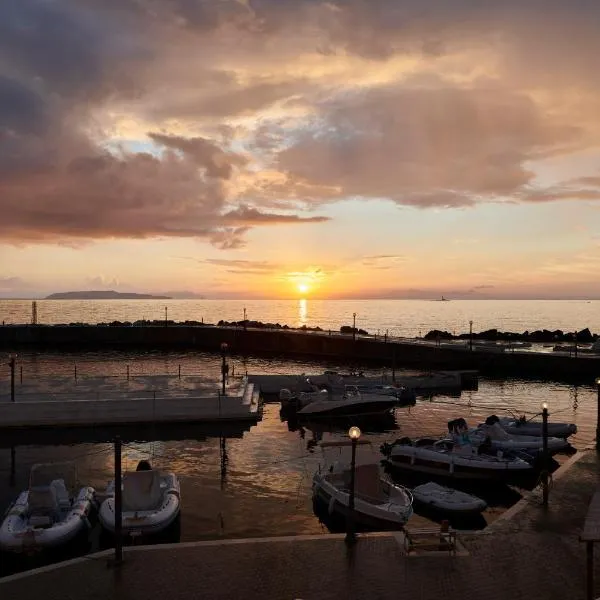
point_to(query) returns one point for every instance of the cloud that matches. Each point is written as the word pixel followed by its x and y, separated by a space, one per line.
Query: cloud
pixel 11 283
pixel 251 111
pixel 247 215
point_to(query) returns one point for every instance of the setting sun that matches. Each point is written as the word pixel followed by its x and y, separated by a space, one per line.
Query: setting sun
pixel 303 288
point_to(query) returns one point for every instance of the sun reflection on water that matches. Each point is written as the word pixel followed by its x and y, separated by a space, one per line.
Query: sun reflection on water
pixel 303 311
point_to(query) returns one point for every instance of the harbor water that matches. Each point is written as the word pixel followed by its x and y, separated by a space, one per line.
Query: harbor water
pixel 258 481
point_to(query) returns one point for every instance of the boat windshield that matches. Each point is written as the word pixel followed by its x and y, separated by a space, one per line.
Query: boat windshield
pixel 42 475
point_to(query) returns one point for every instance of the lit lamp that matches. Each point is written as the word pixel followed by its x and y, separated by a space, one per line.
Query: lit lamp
pixel 224 367
pixel 12 358
pixel 598 416
pixel 545 453
pixel 354 435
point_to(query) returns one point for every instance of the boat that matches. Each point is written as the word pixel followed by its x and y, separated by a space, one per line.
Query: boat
pixel 447 500
pixel 445 458
pixel 379 504
pixel 404 396
pixel 521 426
pixel 151 502
pixel 351 402
pixel 499 439
pixel 51 513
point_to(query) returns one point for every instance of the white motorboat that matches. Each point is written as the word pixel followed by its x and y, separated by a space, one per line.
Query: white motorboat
pixel 499 439
pixel 444 458
pixel 51 513
pixel 447 500
pixel 352 402
pixel 151 502
pixel 521 426
pixel 378 503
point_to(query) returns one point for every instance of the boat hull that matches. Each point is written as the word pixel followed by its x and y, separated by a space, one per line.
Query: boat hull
pixel 451 466
pixel 144 522
pixel 532 428
pixel 346 409
pixel 337 504
pixel 17 535
pixel 446 500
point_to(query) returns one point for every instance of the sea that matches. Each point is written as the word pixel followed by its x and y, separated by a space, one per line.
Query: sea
pixel 257 482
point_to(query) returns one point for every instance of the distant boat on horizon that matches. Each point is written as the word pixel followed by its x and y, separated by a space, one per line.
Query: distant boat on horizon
pixel 442 299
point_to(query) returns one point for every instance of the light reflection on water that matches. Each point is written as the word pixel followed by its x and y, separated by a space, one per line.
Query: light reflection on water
pixel 265 486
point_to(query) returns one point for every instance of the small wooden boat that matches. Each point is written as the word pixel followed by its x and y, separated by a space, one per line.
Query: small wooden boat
pixel 447 500
pixel 151 502
pixel 51 513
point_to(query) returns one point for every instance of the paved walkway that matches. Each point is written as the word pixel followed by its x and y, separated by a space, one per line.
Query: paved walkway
pixel 528 554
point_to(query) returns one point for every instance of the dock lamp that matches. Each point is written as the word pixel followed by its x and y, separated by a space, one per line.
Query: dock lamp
pixel 598 416
pixel 354 334
pixel 354 435
pixel 224 366
pixel 12 359
pixel 545 453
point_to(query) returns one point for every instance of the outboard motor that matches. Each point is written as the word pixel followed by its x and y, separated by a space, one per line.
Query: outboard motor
pixel 285 395
pixel 492 420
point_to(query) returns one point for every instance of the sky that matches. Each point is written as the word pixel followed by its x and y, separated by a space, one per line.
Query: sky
pixel 300 148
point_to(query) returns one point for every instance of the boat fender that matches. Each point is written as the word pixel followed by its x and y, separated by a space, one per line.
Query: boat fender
pixel 331 505
pixel 174 492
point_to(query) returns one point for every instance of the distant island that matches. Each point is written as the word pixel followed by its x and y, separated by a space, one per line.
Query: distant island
pixel 103 295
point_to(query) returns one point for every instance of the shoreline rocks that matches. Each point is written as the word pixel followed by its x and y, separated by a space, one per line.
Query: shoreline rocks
pixel 585 336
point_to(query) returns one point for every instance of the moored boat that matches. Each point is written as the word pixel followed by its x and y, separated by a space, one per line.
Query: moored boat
pixel 444 458
pixel 379 504
pixel 51 513
pixel 447 500
pixel 151 502
pixel 522 426
pixel 352 402
pixel 499 439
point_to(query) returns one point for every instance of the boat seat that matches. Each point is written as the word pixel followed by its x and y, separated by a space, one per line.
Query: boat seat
pixel 141 491
pixel 367 484
pixel 42 500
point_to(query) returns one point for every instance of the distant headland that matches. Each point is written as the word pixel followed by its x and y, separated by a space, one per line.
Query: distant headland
pixel 103 295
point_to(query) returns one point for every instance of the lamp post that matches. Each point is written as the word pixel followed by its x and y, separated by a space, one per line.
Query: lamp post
pixel 244 317
pixel 598 416
pixel 354 435
pixel 471 335
pixel 224 367
pixel 166 317
pixel 12 358
pixel 353 327
pixel 545 454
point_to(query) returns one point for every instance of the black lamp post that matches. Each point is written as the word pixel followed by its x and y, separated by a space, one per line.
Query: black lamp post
pixel 245 317
pixel 354 435
pixel 12 358
pixel 224 367
pixel 353 327
pixel 471 335
pixel 598 416
pixel 545 454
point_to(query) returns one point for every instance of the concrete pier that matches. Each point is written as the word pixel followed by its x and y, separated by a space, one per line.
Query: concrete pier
pixel 240 403
pixel 583 368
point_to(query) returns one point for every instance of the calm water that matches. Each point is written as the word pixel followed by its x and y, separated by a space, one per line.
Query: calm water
pixel 401 317
pixel 265 488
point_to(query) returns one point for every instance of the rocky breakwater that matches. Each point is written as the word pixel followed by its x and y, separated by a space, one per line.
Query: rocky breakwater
pixel 539 336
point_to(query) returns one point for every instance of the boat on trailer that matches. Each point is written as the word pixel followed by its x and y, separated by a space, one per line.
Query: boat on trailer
pixel 379 504
pixel 151 502
pixel 51 513
pixel 444 458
